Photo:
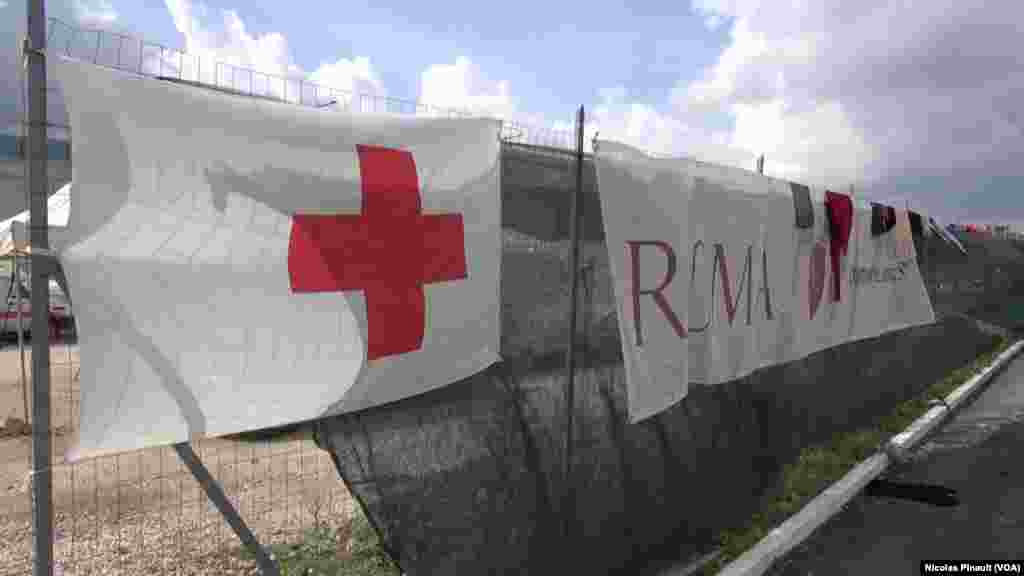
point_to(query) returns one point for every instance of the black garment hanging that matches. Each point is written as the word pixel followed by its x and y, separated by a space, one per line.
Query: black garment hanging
pixel 916 224
pixel 802 205
pixel 883 219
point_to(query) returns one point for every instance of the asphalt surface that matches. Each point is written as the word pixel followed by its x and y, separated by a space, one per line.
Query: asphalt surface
pixel 980 455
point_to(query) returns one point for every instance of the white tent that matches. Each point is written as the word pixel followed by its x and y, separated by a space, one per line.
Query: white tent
pixel 12 178
pixel 13 231
pixel 14 241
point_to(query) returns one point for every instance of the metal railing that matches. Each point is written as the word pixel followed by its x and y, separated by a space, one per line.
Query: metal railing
pixel 125 52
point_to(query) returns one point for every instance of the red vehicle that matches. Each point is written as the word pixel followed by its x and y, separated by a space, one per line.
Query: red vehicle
pixel 60 311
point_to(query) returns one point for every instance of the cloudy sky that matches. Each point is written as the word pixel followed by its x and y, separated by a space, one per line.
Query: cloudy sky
pixel 910 102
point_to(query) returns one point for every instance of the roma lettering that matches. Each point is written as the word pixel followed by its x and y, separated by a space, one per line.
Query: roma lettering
pixel 719 270
pixel 656 294
pixel 722 269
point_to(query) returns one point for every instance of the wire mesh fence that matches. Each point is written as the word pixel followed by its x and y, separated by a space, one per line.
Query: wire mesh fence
pixel 142 511
pixel 136 55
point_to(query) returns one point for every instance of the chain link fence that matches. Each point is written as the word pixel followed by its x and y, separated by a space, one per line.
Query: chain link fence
pixel 143 512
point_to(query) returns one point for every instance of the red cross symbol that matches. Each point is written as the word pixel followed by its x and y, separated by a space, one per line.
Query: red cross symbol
pixel 389 251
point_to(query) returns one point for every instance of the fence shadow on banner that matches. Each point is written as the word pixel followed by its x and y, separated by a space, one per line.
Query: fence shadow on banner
pixel 467 479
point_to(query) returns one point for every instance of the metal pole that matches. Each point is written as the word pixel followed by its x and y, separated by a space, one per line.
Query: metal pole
pixel 760 164
pixel 216 495
pixel 570 363
pixel 42 489
pixel 21 332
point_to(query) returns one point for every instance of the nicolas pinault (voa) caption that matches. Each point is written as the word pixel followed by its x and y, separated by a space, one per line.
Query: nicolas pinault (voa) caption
pixel 972 567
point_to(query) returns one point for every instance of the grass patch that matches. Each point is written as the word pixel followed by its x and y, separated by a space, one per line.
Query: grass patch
pixel 821 465
pixel 353 549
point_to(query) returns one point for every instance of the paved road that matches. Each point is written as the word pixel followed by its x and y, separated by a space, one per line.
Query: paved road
pixel 980 454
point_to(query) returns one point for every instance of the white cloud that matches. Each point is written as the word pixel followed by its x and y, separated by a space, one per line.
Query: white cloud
pixel 818 146
pixel 617 118
pixel 871 91
pixel 353 76
pixel 261 63
pixel 640 125
pixel 713 22
pixel 808 139
pixel 94 12
pixel 463 86
pixel 208 42
pixel 720 82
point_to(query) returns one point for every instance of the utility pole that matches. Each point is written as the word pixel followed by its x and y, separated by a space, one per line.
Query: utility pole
pixel 36 159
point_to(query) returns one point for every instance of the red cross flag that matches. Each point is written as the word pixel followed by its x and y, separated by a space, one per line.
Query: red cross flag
pixel 389 251
pixel 238 264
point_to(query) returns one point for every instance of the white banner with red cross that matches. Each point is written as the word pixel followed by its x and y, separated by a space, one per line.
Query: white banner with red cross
pixel 718 273
pixel 238 264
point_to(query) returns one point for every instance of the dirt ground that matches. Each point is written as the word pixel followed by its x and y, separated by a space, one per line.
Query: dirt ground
pixel 143 511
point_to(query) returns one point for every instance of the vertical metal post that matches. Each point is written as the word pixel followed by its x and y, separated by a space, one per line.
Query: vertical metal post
pixel 570 364
pixel 760 164
pixel 21 331
pixel 216 495
pixel 36 157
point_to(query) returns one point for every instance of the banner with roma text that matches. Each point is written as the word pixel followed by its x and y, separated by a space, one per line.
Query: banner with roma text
pixel 719 272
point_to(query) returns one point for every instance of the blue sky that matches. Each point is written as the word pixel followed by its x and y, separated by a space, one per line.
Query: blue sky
pixel 551 52
pixel 911 103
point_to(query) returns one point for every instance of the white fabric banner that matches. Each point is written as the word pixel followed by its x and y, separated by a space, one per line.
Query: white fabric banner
pixel 238 264
pixel 714 279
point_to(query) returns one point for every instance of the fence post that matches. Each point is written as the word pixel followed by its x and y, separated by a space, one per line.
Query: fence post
pixel 568 509
pixel 36 157
pixel 17 288
pixel 268 566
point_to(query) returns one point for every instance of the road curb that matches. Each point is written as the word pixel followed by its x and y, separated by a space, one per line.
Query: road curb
pixel 797 528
